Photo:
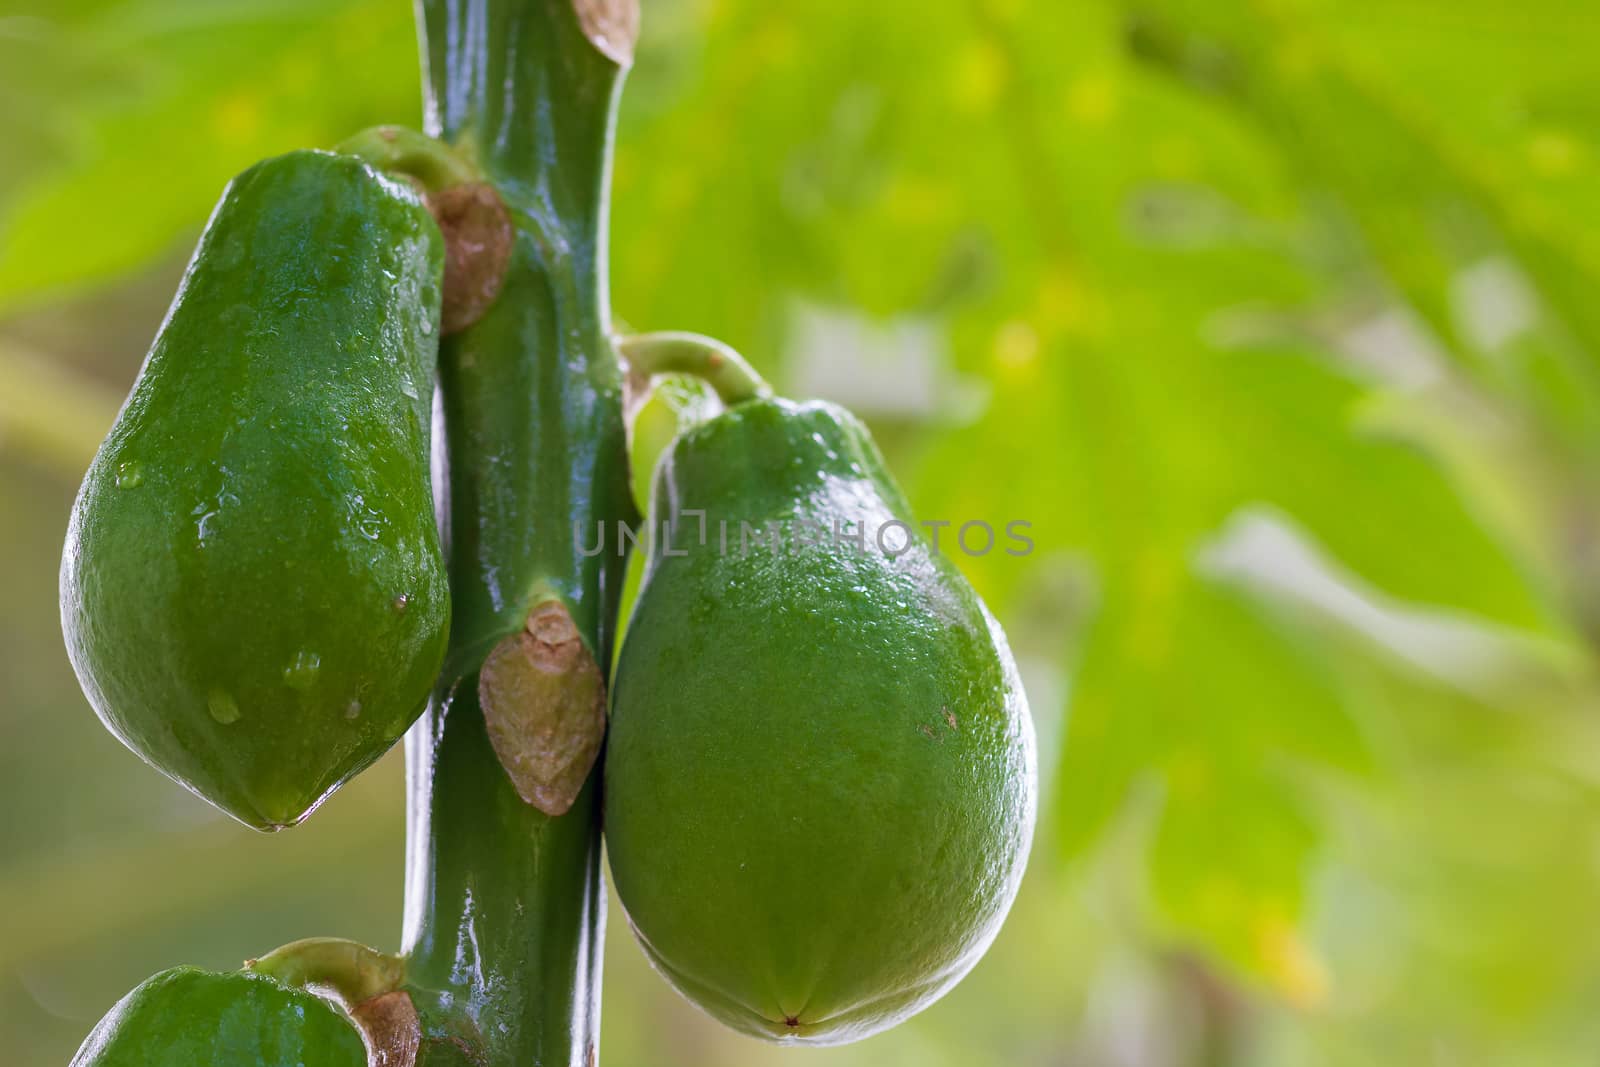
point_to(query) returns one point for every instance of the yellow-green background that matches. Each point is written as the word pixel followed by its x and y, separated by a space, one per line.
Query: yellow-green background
pixel 1276 318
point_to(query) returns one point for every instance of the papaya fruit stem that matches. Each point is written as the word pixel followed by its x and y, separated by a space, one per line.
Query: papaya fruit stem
pixel 676 352
pixel 505 909
pixel 352 970
pixel 398 150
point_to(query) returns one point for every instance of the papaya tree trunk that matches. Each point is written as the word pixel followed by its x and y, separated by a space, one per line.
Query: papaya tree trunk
pixel 504 909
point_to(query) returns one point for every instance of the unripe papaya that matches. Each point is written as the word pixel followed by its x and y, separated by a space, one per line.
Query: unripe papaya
pixel 187 1017
pixel 819 781
pixel 252 589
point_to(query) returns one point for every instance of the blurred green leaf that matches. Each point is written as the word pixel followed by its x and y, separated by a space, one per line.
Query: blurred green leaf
pixel 146 109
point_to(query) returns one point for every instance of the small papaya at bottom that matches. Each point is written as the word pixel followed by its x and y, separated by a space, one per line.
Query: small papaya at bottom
pixel 188 1017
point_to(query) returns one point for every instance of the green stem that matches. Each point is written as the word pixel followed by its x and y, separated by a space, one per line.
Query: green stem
pixel 504 905
pixel 718 365
pixel 402 151
pixel 351 969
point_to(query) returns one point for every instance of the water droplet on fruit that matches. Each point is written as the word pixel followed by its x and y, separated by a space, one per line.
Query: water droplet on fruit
pixel 365 519
pixel 427 328
pixel 400 603
pixel 206 527
pixel 222 707
pixel 302 670
pixel 129 474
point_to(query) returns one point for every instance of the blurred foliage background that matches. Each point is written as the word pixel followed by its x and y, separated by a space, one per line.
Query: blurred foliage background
pixel 1275 318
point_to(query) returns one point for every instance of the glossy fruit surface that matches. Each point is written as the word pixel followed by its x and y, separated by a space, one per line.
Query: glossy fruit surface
pixel 252 589
pixel 819 781
pixel 187 1017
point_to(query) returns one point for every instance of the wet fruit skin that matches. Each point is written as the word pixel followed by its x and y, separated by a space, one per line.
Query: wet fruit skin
pixel 187 1017
pixel 819 781
pixel 252 589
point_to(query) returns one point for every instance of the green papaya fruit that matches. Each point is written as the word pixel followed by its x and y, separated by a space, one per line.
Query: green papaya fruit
pixel 187 1017
pixel 819 780
pixel 252 589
